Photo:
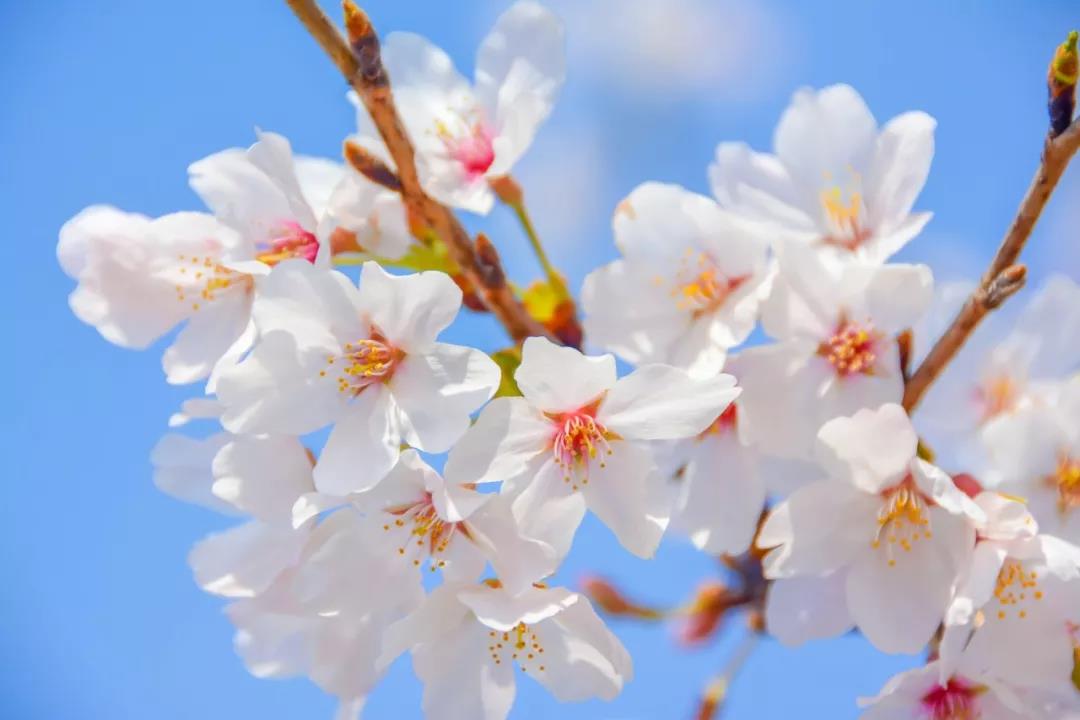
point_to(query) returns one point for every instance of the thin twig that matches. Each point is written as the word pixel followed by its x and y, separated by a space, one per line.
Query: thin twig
pixel 360 61
pixel 712 702
pixel 1004 277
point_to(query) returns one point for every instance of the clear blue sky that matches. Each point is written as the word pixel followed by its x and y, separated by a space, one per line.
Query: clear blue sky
pixel 109 101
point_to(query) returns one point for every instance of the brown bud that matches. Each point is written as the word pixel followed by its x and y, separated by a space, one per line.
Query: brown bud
pixel 1061 84
pixel 612 601
pixel 706 611
pixel 507 190
pixel 370 166
pixel 488 264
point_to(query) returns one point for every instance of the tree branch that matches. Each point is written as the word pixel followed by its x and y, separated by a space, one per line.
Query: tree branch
pixel 1004 277
pixel 360 61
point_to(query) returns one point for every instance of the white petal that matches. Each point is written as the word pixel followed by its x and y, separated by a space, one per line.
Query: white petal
pixel 582 658
pixel 520 67
pixel 506 435
pixel 518 561
pixel 977 586
pixel 502 611
pixel 439 389
pixel 320 308
pixel 272 154
pixel 410 310
pixel 900 166
pixel 939 486
pixel 263 475
pixel 278 390
pixel 243 561
pixel 182 469
pixel 555 378
pixel 240 194
pixel 871 449
pixel 829 131
pixel 818 530
pixel 205 339
pixel 362 447
pixel 899 607
pixel 660 402
pixel 628 495
pixel 811 608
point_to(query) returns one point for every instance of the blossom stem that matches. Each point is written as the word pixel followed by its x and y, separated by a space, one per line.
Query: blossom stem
pixel 553 276
pixel 1004 277
pixel 716 691
pixel 360 61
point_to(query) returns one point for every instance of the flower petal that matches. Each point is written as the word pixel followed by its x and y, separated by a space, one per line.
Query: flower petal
pixel 660 402
pixel 362 447
pixel 410 310
pixel 554 378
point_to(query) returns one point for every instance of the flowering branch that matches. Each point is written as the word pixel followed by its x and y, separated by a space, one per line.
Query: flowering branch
pixel 360 61
pixel 1004 277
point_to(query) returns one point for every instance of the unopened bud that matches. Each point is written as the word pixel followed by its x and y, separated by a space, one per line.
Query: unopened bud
pixel 1061 83
pixel 705 612
pixel 712 699
pixel 507 190
pixel 612 601
pixel 344 241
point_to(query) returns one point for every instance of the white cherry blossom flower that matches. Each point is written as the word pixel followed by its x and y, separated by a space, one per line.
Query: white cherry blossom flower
pixel 1007 366
pixel 139 278
pixel 891 527
pixel 1022 593
pixel 467 135
pixel 579 430
pixel 466 639
pixel 836 182
pixel 1035 453
pixel 373 215
pixel 687 287
pixel 836 351
pixel 922 694
pixel 366 360
pixel 418 518
pixel 320 617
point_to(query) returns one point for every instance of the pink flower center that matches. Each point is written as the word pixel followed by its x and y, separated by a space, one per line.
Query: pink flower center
pixel 726 422
pixel 426 535
pixel 362 363
pixel 957 700
pixel 578 440
pixel 289 241
pixel 852 349
pixel 474 151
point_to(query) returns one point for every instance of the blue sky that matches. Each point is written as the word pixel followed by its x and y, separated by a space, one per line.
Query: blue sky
pixel 110 101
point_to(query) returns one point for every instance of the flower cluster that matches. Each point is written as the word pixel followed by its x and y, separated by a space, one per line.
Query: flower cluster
pixel 335 396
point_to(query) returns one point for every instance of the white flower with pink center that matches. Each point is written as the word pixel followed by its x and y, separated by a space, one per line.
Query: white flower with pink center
pixel 467 135
pixel 1035 453
pixel 580 433
pixel 836 353
pixel 963 694
pixel 1011 364
pixel 1021 595
pixel 885 533
pixel 416 518
pixel 365 360
pixel 836 182
pixel 688 285
pixel 467 640
pixel 139 278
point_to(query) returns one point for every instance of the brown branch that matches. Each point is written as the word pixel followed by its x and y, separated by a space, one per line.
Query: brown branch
pixel 1004 277
pixel 360 61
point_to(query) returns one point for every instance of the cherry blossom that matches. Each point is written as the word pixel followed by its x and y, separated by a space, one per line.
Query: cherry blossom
pixel 467 639
pixel 1022 591
pixel 366 360
pixel 467 135
pixel 1008 366
pixel 921 694
pixel 579 430
pixel 836 349
pixel 415 516
pixel 687 287
pixel 891 528
pixel 835 181
pixel 1035 453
